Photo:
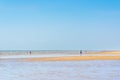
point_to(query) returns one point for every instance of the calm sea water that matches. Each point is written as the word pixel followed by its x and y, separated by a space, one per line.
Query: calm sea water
pixel 60 70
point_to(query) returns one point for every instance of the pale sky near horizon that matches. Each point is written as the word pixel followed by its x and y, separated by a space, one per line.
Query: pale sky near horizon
pixel 59 24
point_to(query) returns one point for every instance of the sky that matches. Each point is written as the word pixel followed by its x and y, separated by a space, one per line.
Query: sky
pixel 59 24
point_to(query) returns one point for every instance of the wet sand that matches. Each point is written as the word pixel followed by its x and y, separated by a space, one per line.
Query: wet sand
pixel 60 70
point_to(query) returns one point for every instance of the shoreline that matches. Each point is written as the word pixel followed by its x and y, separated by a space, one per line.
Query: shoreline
pixel 64 58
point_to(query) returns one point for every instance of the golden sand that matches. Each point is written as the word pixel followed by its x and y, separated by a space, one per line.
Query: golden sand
pixel 102 55
pixel 73 58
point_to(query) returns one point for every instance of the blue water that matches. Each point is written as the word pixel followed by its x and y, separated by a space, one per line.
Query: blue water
pixel 60 70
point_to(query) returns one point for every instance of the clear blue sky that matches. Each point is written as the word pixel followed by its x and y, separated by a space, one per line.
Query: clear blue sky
pixel 59 24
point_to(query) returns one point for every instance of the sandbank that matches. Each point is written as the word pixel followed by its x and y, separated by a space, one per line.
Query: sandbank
pixel 74 58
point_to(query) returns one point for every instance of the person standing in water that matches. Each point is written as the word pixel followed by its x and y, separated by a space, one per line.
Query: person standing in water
pixel 30 52
pixel 80 52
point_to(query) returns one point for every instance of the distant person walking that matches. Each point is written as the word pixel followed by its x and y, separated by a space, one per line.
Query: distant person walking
pixel 80 52
pixel 30 52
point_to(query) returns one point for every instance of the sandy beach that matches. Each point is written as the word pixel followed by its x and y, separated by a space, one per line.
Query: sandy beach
pixel 68 65
pixel 73 58
pixel 63 56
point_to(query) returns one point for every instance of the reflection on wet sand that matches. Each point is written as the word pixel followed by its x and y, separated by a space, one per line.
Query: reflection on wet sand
pixel 60 70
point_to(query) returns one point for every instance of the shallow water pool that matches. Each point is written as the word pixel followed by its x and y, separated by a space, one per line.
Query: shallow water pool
pixel 60 70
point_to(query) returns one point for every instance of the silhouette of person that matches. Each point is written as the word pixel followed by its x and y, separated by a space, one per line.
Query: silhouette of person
pixel 30 52
pixel 80 52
